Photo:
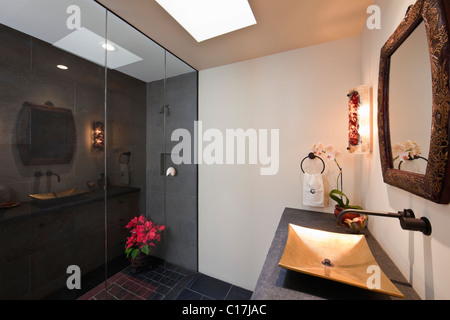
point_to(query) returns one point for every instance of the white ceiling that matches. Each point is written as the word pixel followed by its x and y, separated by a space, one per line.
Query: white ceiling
pixel 282 25
pixel 47 20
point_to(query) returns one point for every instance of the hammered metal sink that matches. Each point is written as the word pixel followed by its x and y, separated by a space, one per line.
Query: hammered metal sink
pixel 344 258
pixel 59 195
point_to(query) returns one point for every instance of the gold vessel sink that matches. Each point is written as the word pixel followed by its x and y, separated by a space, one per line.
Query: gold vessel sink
pixel 344 258
pixel 59 195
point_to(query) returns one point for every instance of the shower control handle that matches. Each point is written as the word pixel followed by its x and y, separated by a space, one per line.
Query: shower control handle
pixel 171 172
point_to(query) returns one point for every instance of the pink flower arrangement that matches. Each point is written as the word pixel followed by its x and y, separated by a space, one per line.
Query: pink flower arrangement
pixel 144 234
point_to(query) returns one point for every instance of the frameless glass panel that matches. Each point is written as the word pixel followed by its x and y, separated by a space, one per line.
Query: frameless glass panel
pixel 52 80
pixel 180 98
pixel 88 108
pixel 149 96
pixel 133 60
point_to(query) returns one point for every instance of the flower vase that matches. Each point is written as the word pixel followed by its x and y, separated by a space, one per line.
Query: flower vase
pixel 141 262
pixel 351 216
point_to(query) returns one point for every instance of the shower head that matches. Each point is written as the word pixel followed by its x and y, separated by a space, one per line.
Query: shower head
pixel 164 108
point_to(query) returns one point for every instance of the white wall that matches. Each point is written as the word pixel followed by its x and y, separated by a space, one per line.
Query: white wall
pixel 423 260
pixel 304 94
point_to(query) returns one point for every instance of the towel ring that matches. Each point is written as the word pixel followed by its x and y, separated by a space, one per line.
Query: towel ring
pixel 411 159
pixel 312 156
pixel 125 158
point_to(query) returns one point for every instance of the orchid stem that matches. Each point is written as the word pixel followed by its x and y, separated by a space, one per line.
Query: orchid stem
pixel 339 176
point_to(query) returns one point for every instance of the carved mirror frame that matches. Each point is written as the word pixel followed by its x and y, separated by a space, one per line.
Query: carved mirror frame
pixel 435 184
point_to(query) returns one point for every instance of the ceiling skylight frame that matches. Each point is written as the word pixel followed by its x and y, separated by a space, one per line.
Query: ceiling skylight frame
pixel 88 45
pixel 206 19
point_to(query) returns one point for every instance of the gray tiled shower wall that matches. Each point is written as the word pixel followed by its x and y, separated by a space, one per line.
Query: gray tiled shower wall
pixel 176 197
pixel 28 73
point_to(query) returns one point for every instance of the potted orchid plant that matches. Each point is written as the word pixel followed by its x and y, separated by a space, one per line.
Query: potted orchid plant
pixel 337 194
pixel 145 235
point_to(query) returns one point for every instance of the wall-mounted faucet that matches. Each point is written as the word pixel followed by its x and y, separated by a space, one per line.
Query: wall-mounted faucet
pixel 50 173
pixel 407 219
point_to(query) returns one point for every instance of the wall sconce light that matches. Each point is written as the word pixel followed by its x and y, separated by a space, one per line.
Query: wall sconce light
pixel 99 136
pixel 359 120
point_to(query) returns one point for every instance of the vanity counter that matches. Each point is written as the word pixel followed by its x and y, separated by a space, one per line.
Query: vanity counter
pixel 35 208
pixel 276 283
pixel 41 239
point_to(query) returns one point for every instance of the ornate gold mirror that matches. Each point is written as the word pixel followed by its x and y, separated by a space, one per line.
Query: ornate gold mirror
pixel 414 103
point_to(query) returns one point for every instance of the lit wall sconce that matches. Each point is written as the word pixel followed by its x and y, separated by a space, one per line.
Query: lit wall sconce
pixel 359 120
pixel 99 136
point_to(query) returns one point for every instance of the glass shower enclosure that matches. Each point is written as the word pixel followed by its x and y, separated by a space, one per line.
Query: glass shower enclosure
pixel 88 105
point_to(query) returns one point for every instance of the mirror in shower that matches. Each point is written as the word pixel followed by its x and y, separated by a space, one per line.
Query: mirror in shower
pixel 45 134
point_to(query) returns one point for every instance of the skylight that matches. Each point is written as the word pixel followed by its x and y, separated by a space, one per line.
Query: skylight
pixel 206 19
pixel 90 46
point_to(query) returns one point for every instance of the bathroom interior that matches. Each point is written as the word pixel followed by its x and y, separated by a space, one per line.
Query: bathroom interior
pixel 86 145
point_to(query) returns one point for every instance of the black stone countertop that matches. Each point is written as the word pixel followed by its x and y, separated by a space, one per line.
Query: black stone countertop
pixel 35 208
pixel 276 283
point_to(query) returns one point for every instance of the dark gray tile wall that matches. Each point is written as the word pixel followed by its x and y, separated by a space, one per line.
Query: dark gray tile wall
pixel 126 117
pixel 28 73
pixel 177 208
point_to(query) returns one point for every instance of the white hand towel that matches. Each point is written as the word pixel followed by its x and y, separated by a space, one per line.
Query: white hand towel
pixel 313 194
pixel 124 175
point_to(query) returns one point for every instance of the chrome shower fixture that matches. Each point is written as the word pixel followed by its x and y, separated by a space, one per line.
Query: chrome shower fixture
pixel 164 108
